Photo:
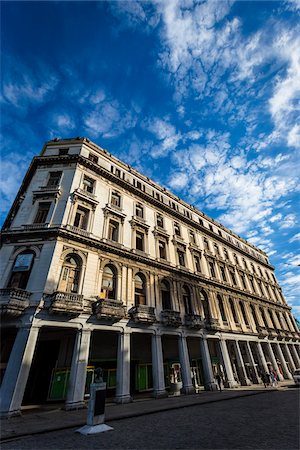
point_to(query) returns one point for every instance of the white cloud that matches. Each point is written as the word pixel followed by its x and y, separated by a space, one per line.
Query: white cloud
pixel 178 180
pixel 296 237
pixel 108 119
pixel 165 133
pixel 64 121
pixel 288 221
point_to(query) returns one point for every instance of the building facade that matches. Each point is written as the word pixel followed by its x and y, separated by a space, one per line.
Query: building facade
pixel 103 268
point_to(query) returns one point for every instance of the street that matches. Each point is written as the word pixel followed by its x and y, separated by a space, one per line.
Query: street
pixel 266 421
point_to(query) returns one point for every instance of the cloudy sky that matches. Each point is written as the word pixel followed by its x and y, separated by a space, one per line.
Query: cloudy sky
pixel 203 97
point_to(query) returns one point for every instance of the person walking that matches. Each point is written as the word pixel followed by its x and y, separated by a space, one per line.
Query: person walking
pixel 219 381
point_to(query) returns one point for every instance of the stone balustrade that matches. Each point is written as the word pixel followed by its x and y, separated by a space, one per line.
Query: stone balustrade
pixel 171 318
pixel 109 309
pixel 66 303
pixel 193 321
pixel 13 301
pixel 142 313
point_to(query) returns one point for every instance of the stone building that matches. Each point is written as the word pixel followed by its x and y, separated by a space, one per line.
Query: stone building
pixel 101 267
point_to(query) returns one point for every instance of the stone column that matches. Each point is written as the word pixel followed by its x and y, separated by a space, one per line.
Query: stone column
pixel 159 388
pixel 296 357
pixel 123 369
pixel 209 382
pixel 230 382
pixel 244 379
pixel 76 387
pixel 273 361
pixel 250 356
pixel 17 371
pixel 286 372
pixel 187 384
pixel 290 358
pixel 262 357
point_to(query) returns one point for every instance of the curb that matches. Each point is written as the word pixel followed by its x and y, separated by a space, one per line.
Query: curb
pixel 132 414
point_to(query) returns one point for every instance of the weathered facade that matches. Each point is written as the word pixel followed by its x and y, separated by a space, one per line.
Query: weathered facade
pixel 101 267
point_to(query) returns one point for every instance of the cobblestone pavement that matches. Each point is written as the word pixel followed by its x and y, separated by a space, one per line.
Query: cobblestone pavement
pixel 260 422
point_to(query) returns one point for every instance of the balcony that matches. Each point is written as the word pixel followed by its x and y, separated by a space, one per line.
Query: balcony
pixel 77 230
pixel 272 333
pixel 66 303
pixel 143 314
pixel 171 318
pixel 13 301
pixel 35 226
pixel 213 324
pixel 262 332
pixel 86 196
pixel 193 321
pixel 109 309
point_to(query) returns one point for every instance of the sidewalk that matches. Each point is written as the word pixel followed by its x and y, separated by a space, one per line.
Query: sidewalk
pixel 52 419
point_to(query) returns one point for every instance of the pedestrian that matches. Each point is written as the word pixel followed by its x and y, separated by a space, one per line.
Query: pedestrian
pixel 273 378
pixel 219 381
pixel 267 375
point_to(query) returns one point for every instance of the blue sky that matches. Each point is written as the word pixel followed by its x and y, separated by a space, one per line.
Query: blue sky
pixel 203 97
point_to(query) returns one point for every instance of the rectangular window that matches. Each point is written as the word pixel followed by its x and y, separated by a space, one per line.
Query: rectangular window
pixel 206 246
pixel 162 249
pixel 177 229
pixel 252 283
pixel 181 259
pixel 223 273
pixel 197 263
pixel 113 231
pixel 93 158
pixel 201 222
pixel 212 269
pixel 118 173
pixel 139 185
pixel 139 240
pixel 88 184
pixel 192 237
pixel 54 179
pixel 211 227
pixel 139 211
pixel 243 280
pixel 42 213
pixel 160 221
pixel 63 151
pixel 116 199
pixel 81 218
pixel 232 274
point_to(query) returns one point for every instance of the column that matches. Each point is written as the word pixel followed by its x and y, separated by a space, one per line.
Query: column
pixel 286 372
pixel 262 357
pixel 243 374
pixel 76 386
pixel 250 356
pixel 296 357
pixel 230 382
pixel 273 361
pixel 123 369
pixel 209 382
pixel 187 384
pixel 17 371
pixel 159 388
pixel 290 358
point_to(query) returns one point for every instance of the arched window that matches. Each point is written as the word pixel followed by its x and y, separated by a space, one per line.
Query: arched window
pixel 205 305
pixel 70 274
pixel 235 318
pixel 254 316
pixel 187 300
pixel 221 308
pixel 21 270
pixel 109 283
pixel 244 313
pixel 139 289
pixel 165 294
